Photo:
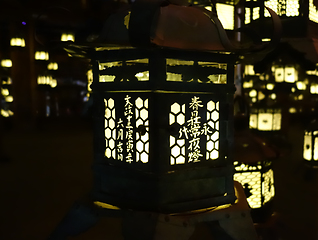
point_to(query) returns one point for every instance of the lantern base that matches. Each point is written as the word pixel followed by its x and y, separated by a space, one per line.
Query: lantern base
pixel 173 192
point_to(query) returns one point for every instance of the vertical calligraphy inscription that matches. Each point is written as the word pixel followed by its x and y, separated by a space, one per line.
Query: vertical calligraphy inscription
pixel 191 132
pixel 129 129
pixel 194 128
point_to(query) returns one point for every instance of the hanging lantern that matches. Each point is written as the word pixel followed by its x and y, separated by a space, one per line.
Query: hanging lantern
pixel 285 73
pixel 44 80
pixel 314 88
pixel 253 169
pixel 264 118
pixel 17 42
pixel 257 180
pixel 163 109
pixel 6 63
pixel 67 37
pixel 161 127
pixel 41 55
pixel 310 151
pixel 52 66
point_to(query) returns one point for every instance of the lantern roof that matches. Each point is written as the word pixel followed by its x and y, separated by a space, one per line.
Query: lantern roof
pixel 166 25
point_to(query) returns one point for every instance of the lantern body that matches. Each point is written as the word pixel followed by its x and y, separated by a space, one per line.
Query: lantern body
pixel 265 119
pixel 163 129
pixel 310 151
pixel 257 180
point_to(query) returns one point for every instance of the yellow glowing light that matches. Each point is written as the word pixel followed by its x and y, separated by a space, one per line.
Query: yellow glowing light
pixel 279 74
pixel 293 89
pixel 300 97
pixel 253 93
pixel 247 15
pixel 41 55
pixel 291 74
pixel 7 82
pixel 4 91
pixel 174 77
pixel 313 12
pixel 52 66
pixel 249 70
pixel 248 84
pixel 273 96
pixel 292 7
pixel 6 63
pixel 261 96
pixel 142 76
pixel 47 80
pixel 9 98
pixel 226 15
pixel 314 88
pixel 6 113
pixel 310 151
pixel 270 86
pixel 17 42
pixel 67 37
pixel 107 78
pixel 266 119
pixel 258 185
pixel 292 110
pixel 106 205
pixel 311 72
pixel 273 4
pixel 301 85
pixel 53 83
pixel 256 11
pixel 89 75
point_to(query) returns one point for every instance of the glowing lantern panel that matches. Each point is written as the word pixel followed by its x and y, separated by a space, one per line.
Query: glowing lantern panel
pixel 226 15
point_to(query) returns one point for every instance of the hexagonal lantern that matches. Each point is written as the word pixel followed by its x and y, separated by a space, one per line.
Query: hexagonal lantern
pixel 310 150
pixel 265 118
pixel 163 86
pixel 257 179
pixel 163 128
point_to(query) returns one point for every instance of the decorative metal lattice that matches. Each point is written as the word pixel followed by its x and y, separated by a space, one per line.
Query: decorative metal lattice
pixel 257 181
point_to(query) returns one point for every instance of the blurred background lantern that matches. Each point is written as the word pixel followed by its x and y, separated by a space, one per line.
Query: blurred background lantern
pixel 310 152
pixel 265 118
pixel 17 42
pixel 253 162
pixel 257 179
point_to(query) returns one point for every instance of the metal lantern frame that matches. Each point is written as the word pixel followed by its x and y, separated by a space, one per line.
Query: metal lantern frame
pixel 137 132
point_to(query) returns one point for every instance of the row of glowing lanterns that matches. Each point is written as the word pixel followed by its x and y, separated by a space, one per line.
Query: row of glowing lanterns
pixel 7 63
pixel 20 42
